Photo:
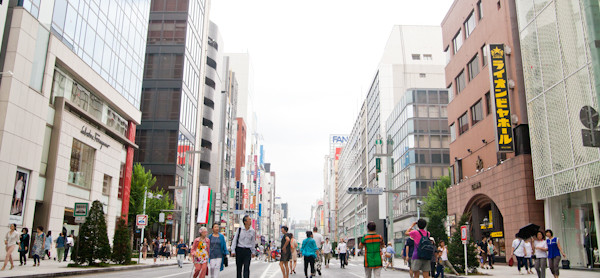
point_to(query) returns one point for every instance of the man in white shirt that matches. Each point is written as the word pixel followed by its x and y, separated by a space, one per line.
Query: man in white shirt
pixel 518 246
pixel 327 252
pixel 342 249
pixel 319 241
pixel 242 247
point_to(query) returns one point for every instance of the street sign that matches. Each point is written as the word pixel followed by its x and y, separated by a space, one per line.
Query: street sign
pixel 79 219
pixel 170 217
pixel 463 234
pixel 497 234
pixel 239 211
pixel 81 209
pixel 169 222
pixel 374 190
pixel 161 217
pixel 141 220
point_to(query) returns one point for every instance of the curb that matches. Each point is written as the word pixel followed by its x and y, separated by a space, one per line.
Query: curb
pixel 96 270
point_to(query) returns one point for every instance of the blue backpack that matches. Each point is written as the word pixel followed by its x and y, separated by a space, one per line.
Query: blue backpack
pixel 426 248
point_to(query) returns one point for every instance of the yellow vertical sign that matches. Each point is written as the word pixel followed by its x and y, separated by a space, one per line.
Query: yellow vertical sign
pixel 499 87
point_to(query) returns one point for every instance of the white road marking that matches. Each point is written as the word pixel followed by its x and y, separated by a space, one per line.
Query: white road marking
pixel 355 275
pixel 175 274
pixel 266 271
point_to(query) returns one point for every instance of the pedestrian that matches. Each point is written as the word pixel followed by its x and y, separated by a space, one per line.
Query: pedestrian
pixel 145 248
pixel 491 253
pixel 327 252
pixel 48 245
pixel 218 251
pixel 555 252
pixel 68 246
pixel 541 254
pixel 261 251
pixel 181 248
pixel 168 249
pixel 38 245
pixel 408 251
pixel 342 250
pixel 433 261
pixel 528 254
pixel 286 252
pixel 319 241
pixel 444 257
pixel 420 259
pixel 372 243
pixel 439 268
pixel 273 254
pixel 479 256
pixel 241 248
pixel 518 250
pixel 483 245
pixel 23 246
pixel 60 247
pixel 309 251
pixel 156 248
pixel 10 241
pixel 294 261
pixel 200 254
pixel 389 255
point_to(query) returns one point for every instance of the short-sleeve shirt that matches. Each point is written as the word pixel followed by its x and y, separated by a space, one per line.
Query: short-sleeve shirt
pixel 215 247
pixel 318 239
pixel 372 243
pixel 518 246
pixel 180 250
pixel 416 237
pixel 411 247
pixel 60 242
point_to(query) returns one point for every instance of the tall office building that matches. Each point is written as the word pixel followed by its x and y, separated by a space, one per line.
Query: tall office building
pixel 330 180
pixel 70 98
pixel 489 133
pixel 561 66
pixel 172 97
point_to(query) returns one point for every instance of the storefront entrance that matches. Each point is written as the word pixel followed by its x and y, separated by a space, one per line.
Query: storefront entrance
pixel 487 222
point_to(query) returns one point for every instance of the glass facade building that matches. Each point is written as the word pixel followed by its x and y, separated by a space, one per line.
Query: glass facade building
pixel 419 130
pixel 559 71
pixel 109 36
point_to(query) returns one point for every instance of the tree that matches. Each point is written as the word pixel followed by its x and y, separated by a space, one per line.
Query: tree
pixel 456 251
pixel 93 238
pixel 436 208
pixel 122 244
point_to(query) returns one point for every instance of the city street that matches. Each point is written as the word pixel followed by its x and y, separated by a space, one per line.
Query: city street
pixel 258 269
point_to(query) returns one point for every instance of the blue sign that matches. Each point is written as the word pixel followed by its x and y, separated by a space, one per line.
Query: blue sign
pixel 336 139
pixel 259 209
pixel 262 155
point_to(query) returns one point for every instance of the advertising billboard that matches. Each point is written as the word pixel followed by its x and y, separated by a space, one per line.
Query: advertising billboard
pixel 499 87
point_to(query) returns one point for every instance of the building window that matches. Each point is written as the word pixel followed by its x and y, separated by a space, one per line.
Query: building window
pixel 463 123
pixel 488 104
pixel 460 82
pixel 211 63
pixel 427 57
pixel 106 183
pixel 480 9
pixel 422 75
pixel 469 25
pixel 450 93
pixel 448 55
pixel 82 164
pixel 452 132
pixel 476 112
pixel 121 180
pixel 473 67
pixel 484 55
pixel 416 56
pixel 457 41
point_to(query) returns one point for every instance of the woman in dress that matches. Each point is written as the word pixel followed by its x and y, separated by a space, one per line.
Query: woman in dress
pixel 200 255
pixel 145 248
pixel 11 240
pixel 48 244
pixel 23 246
pixel 293 262
pixel 554 252
pixel 38 245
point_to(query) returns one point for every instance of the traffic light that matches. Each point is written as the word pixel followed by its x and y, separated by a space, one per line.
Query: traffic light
pixel 355 190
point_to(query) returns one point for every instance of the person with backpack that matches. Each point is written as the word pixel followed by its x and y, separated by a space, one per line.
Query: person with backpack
pixel 372 243
pixel 424 249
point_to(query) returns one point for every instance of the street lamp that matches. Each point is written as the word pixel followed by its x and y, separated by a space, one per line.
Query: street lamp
pixel 388 177
pixel 419 204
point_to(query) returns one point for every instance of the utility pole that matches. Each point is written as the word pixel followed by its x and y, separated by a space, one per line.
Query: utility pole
pixel 143 227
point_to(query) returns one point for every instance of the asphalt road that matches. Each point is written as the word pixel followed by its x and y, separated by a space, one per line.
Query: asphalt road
pixel 258 269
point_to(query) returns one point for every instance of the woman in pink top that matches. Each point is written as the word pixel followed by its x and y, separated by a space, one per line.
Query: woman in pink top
pixel 200 254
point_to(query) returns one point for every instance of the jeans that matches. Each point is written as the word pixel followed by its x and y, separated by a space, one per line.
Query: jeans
pixel 529 263
pixel 242 261
pixel 67 247
pixel 376 272
pixel 36 258
pixel 180 259
pixel 491 259
pixel 540 267
pixel 343 259
pixel 309 260
pixel 521 262
pixel 214 267
pixel 440 271
pixel 23 257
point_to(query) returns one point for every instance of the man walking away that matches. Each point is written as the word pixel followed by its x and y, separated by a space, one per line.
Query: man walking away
pixel 241 248
pixel 319 241
pixel 518 251
pixel 372 243
pixel 181 248
pixel 424 250
pixel 327 252
pixel 286 252
pixel 408 251
pixel 342 250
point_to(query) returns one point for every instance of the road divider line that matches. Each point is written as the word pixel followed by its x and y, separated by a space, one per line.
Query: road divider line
pixel 266 271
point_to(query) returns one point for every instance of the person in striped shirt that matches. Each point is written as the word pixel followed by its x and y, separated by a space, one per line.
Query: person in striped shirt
pixel 372 243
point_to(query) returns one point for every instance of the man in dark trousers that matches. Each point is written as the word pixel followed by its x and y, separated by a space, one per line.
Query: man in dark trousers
pixel 242 247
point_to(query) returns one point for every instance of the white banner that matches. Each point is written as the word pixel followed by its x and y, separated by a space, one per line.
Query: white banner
pixel 203 204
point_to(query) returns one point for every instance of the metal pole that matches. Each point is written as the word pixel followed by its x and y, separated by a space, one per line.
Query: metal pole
pixel 390 196
pixel 184 198
pixel 466 267
pixel 143 227
pixel 418 211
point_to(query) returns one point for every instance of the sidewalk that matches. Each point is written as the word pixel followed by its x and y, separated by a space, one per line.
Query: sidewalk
pixel 51 268
pixel 502 271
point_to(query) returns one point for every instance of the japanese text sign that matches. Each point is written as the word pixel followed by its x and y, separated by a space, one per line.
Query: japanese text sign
pixel 499 87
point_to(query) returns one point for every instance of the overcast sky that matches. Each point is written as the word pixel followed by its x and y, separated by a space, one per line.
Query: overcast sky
pixel 313 63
